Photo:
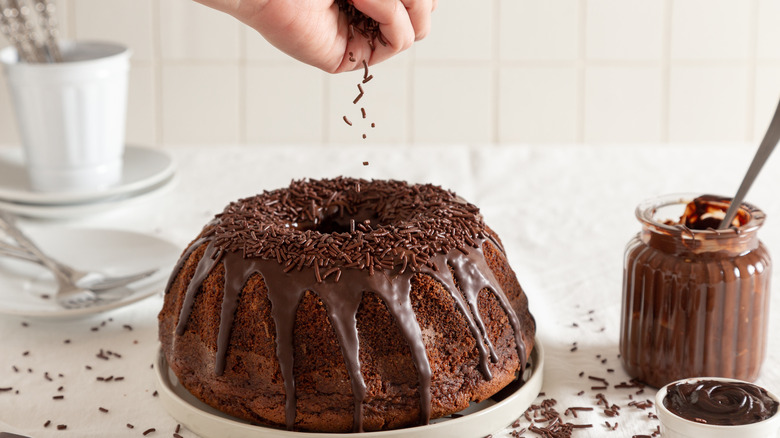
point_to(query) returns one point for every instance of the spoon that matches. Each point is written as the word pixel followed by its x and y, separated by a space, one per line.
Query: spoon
pixel 768 144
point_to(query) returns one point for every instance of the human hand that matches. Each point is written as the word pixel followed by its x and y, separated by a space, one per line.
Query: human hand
pixel 317 31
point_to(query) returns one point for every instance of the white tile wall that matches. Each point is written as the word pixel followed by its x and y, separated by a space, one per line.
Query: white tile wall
pixel 507 71
pixel 190 31
pixel 625 30
pixel 537 104
pixel 129 21
pixel 532 30
pixel 200 103
pixel 386 101
pixel 452 105
pixel 768 30
pixel 767 84
pixel 295 119
pixel 459 36
pixel 623 104
pixel 709 103
pixel 712 29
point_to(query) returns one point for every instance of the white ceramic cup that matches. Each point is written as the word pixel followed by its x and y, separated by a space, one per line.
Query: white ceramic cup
pixel 71 115
pixel 673 426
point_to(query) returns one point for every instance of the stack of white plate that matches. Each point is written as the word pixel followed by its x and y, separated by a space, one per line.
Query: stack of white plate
pixel 146 171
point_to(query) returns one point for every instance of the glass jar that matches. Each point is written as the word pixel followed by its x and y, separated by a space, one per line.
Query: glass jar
pixel 695 299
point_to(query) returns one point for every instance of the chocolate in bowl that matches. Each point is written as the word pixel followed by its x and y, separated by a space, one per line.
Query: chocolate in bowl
pixel 716 407
pixel 719 402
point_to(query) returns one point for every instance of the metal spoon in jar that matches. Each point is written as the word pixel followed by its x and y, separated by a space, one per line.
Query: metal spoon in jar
pixel 768 144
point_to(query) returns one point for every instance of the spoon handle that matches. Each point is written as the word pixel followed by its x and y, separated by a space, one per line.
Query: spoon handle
pixel 768 144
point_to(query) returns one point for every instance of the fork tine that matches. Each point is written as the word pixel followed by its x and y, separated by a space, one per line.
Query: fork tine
pixel 79 301
pixel 73 297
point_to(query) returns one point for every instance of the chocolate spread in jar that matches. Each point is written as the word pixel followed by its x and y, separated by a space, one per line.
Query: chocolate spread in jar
pixel 695 299
pixel 720 402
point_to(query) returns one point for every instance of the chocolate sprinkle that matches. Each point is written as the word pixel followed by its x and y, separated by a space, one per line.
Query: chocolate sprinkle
pixel 361 23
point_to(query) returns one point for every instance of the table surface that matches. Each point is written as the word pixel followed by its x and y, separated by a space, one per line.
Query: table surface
pixel 564 213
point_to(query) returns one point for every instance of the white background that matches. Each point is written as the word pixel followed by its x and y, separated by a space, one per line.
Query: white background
pixel 492 71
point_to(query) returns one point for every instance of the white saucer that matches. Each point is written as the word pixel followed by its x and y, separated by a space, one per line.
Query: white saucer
pixel 23 285
pixel 142 168
pixel 71 211
pixel 478 420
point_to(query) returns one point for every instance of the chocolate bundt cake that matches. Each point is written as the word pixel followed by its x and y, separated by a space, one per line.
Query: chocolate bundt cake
pixel 345 304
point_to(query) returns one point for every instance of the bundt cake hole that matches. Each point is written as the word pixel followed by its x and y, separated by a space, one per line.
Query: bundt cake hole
pixel 344 218
pixel 338 223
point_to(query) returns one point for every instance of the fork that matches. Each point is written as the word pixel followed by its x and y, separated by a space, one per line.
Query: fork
pixel 93 280
pixel 70 294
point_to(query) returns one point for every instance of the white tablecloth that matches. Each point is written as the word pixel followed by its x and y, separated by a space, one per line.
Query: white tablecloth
pixel 564 213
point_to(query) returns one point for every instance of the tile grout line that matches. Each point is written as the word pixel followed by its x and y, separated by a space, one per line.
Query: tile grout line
pixel 158 73
pixel 495 64
pixel 581 71
pixel 666 72
pixel 752 72
pixel 243 78
pixel 326 115
pixel 410 104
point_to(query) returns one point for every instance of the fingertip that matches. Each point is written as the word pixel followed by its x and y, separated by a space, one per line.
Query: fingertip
pixel 419 12
pixel 422 32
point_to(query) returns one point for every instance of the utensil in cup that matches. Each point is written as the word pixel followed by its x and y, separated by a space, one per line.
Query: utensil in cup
pixel 71 115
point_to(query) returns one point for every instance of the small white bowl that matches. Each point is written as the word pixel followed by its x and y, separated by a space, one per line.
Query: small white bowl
pixel 673 426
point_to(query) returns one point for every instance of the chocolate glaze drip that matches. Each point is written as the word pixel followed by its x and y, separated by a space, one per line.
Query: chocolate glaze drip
pixel 341 300
pixel 286 282
pixel 720 402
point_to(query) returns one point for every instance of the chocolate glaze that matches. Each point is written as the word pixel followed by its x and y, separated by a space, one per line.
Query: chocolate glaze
pixel 695 299
pixel 720 402
pixel 232 240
